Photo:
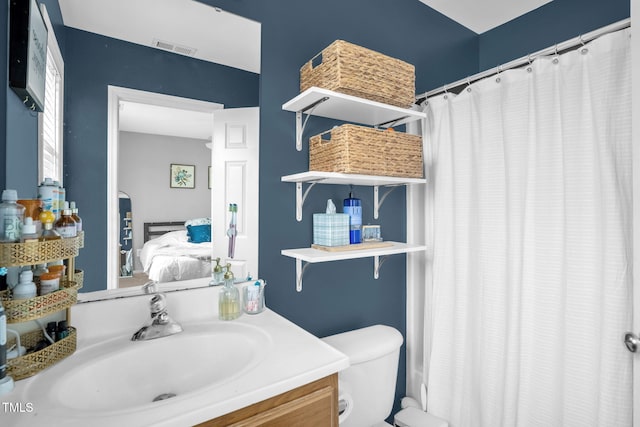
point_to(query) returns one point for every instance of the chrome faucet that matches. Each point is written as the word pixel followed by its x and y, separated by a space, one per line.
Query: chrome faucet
pixel 162 324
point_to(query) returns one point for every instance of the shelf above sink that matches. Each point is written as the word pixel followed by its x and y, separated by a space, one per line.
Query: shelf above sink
pixel 339 106
pixel 315 177
pixel 311 255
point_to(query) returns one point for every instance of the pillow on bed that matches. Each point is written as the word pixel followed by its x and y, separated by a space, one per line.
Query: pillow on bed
pixel 197 221
pixel 199 233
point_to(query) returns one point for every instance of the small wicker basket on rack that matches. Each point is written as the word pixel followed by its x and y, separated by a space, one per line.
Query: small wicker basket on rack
pixel 360 150
pixel 32 363
pixel 23 310
pixel 354 70
pixel 40 252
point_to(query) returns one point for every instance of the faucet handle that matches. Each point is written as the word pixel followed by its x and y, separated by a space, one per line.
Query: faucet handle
pixel 158 304
pixel 150 287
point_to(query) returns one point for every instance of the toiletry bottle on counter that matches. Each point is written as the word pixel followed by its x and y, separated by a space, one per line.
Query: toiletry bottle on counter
pixel 353 207
pixel 29 231
pixel 74 215
pixel 229 298
pixel 25 288
pixel 48 193
pixel 11 217
pixel 65 225
pixel 6 382
pixel 48 233
pixel 218 274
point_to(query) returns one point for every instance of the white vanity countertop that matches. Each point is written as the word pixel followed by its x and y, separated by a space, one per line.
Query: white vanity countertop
pixel 295 358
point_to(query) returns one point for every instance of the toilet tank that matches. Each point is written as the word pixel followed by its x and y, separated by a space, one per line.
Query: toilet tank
pixel 367 387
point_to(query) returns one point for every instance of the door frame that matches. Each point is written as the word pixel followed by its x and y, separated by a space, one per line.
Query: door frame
pixel 635 143
pixel 115 95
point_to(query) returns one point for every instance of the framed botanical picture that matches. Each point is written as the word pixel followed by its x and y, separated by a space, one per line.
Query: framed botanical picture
pixel 209 177
pixel 183 176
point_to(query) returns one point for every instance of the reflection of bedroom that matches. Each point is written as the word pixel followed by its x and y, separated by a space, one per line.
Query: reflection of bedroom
pixel 144 161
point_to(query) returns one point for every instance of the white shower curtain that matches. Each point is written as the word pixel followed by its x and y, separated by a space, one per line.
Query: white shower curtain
pixel 532 246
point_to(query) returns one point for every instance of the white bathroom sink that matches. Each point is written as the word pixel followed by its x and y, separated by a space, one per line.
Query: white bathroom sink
pixel 123 375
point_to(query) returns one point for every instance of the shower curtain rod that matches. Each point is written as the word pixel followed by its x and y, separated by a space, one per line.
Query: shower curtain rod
pixel 560 47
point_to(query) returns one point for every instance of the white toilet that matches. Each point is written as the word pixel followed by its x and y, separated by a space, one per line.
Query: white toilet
pixel 367 388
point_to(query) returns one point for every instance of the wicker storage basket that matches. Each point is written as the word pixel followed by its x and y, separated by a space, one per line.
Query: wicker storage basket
pixel 23 310
pixel 367 151
pixel 348 68
pixel 40 252
pixel 32 363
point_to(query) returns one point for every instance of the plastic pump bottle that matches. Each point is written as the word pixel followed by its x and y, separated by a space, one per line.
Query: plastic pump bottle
pixel 229 298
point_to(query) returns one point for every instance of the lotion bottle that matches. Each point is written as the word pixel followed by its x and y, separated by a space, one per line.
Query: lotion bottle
pixel 229 298
pixel 25 288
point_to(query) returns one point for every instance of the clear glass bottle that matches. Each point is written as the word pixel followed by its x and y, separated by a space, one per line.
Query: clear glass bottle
pixel 74 215
pixel 218 274
pixel 65 225
pixel 11 217
pixel 229 298
pixel 48 233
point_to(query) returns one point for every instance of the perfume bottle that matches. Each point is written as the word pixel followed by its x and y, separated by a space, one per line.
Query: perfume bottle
pixel 229 299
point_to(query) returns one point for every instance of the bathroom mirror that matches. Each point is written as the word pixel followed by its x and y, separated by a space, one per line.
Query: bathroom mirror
pixel 218 36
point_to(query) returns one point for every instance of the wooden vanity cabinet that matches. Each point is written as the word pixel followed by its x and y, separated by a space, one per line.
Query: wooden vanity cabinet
pixel 311 405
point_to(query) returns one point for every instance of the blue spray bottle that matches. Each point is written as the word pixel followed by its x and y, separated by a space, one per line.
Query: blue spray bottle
pixel 353 207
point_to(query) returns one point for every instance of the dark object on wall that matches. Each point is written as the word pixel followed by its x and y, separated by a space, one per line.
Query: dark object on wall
pixel 27 53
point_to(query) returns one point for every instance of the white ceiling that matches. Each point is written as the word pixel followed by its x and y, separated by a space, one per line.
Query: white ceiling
pixel 194 29
pixel 160 120
pixel 191 27
pixel 483 15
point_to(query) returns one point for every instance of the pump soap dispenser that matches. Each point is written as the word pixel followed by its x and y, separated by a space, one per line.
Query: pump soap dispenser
pixel 218 275
pixel 229 298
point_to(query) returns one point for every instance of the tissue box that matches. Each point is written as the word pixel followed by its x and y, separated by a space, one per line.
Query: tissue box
pixel 330 229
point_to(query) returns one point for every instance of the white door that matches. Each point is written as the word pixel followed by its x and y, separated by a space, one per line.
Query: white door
pixel 234 180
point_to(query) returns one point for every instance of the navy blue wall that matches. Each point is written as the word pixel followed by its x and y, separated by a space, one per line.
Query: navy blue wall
pixel 337 296
pixel 552 23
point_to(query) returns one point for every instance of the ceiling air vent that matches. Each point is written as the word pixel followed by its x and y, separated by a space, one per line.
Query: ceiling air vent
pixel 182 50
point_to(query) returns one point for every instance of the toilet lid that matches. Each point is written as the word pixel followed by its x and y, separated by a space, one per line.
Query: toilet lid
pixel 365 344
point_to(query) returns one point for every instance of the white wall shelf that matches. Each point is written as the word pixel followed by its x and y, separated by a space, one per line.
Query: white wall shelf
pixel 339 106
pixel 314 177
pixel 311 256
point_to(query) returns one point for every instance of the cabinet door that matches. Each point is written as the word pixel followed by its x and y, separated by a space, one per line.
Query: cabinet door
pixel 313 410
pixel 311 405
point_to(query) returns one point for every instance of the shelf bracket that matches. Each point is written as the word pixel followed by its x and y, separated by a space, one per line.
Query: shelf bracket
pixel 377 263
pixel 300 198
pixel 300 269
pixel 378 201
pixel 300 125
pixel 391 123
